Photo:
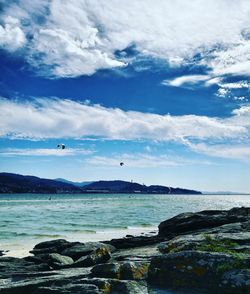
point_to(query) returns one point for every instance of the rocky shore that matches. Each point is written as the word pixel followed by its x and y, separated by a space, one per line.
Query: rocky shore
pixel 203 252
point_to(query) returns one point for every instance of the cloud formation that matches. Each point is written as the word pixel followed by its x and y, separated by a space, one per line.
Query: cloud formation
pixel 43 152
pixel 11 35
pixel 72 38
pixel 53 118
pixel 140 160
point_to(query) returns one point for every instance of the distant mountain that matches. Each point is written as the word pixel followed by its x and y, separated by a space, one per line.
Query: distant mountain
pixel 130 187
pixel 78 184
pixel 14 183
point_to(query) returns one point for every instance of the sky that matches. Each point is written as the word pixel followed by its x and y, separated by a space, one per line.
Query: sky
pixel 162 86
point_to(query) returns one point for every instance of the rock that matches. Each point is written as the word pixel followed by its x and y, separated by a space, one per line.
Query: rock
pixel 134 271
pixel 59 261
pixel 12 265
pixel 52 246
pixel 58 243
pixel 192 269
pixel 68 289
pixel 236 281
pixel 121 271
pixel 228 241
pixel 2 252
pixel 100 255
pixel 133 242
pixel 108 270
pixel 129 287
pixel 30 282
pixel 114 286
pixel 137 254
pixel 190 222
pixel 82 249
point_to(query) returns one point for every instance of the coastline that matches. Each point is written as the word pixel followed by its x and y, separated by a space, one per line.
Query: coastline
pixel 22 249
pixel 201 252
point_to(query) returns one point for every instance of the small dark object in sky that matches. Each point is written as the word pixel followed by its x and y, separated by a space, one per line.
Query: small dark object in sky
pixel 121 163
pixel 62 146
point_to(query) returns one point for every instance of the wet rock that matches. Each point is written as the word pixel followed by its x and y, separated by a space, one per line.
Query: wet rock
pixel 100 255
pixel 59 261
pixel 2 252
pixel 190 222
pixel 52 246
pixel 192 269
pixel 82 249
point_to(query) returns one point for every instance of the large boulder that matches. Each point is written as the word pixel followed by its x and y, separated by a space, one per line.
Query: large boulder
pixel 193 269
pixel 191 222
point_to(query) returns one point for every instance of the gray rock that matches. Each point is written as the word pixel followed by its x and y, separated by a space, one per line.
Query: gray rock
pixel 68 289
pixel 82 249
pixel 29 282
pixel 191 269
pixel 137 254
pixel 121 271
pixel 114 286
pixel 59 261
pixel 191 222
pixel 52 246
pixel 107 270
pixel 100 255
pixel 12 265
pixel 236 281
pixel 191 241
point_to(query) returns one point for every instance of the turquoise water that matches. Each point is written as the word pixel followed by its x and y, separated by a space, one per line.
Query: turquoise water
pixel 27 219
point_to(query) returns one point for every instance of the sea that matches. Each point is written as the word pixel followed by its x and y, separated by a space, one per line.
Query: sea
pixel 27 219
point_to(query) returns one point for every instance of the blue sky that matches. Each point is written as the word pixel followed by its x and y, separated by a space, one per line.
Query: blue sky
pixel 163 87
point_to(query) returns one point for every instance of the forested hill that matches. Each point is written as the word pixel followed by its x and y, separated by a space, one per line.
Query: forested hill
pixel 15 183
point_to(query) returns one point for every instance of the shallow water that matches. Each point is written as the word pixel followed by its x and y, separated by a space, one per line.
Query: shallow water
pixel 27 219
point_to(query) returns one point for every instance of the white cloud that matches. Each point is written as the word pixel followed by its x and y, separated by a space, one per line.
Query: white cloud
pixel 52 118
pixel 234 60
pixel 81 36
pixel 11 35
pixel 43 152
pixel 236 85
pixel 241 152
pixel 140 160
pixel 222 92
pixel 186 80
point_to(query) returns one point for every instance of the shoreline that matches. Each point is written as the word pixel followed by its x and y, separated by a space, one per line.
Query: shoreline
pixel 21 249
pixel 201 252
